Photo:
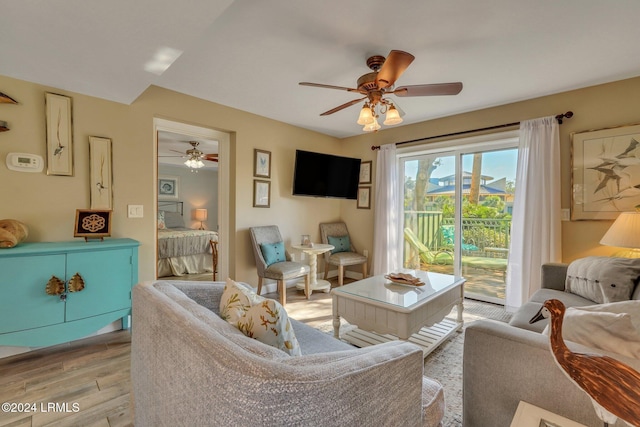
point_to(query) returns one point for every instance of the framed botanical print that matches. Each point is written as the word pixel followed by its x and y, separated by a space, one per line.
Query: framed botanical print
pixel 100 171
pixel 365 172
pixel 605 172
pixel 364 198
pixel 168 187
pixel 261 193
pixel 261 163
pixel 59 134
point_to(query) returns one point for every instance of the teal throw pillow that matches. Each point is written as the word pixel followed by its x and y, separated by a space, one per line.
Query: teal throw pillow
pixel 273 252
pixel 340 244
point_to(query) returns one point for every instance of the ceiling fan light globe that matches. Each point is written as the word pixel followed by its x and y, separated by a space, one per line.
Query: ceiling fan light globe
pixel 392 117
pixel 365 116
pixel 371 127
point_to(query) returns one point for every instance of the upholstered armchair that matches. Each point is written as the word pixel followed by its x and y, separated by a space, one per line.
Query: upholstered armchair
pixel 344 253
pixel 273 261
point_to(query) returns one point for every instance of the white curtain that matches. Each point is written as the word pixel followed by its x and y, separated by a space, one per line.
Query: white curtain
pixel 386 231
pixel 535 226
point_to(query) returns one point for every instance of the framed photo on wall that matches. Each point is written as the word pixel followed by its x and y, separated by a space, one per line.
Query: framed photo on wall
pixel 59 134
pixel 261 193
pixel 92 223
pixel 605 172
pixel 168 187
pixel 365 172
pixel 100 173
pixel 364 198
pixel 261 163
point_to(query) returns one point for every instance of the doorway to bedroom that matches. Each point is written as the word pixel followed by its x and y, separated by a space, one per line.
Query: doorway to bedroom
pixel 191 188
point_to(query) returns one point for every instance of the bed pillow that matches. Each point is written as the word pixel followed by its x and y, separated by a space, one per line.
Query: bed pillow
pixel 257 317
pixel 173 220
pixel 603 279
pixel 603 330
pixel 161 224
pixel 273 252
pixel 339 243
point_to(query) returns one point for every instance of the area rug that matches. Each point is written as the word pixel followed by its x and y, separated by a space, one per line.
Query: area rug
pixel 444 364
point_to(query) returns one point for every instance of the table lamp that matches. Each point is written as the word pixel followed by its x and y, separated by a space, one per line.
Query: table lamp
pixel 625 233
pixel 200 215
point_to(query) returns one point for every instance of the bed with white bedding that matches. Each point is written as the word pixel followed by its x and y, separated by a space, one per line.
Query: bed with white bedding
pixel 182 250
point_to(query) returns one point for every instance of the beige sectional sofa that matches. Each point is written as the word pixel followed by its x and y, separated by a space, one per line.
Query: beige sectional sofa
pixel 506 363
pixel 191 368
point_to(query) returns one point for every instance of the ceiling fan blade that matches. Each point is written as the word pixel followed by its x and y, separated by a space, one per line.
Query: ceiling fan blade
pixel 393 67
pixel 343 106
pixel 435 89
pixel 348 89
pixel 181 152
pixel 210 157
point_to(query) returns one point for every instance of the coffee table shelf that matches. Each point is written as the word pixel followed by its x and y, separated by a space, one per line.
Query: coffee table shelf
pixel 428 338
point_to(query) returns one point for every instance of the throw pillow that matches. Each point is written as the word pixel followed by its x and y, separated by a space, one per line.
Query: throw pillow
pixel 269 323
pixel 257 317
pixel 235 301
pixel 339 243
pixel 161 223
pixel 173 220
pixel 603 279
pixel 273 252
pixel 601 330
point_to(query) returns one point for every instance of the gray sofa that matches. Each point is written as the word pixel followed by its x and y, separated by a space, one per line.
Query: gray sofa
pixel 506 363
pixel 191 368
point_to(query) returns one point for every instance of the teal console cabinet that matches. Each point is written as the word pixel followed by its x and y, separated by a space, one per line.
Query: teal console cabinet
pixel 30 317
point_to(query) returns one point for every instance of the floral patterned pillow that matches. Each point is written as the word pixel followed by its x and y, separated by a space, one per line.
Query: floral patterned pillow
pixel 259 318
pixel 161 223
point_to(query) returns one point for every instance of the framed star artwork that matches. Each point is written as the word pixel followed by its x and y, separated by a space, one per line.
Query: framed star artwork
pixel 92 223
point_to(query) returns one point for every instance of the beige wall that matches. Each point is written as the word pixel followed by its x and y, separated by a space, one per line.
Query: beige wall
pixel 595 107
pixel 47 204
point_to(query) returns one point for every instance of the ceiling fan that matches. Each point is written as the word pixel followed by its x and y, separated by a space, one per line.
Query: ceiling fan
pixel 194 156
pixel 375 86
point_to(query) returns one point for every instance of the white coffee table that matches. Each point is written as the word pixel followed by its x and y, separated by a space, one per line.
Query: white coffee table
pixel 384 311
pixel 313 252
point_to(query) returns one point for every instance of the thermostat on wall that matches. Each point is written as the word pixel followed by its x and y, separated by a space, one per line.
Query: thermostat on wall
pixel 24 162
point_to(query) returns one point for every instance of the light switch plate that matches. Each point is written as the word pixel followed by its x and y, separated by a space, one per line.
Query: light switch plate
pixel 565 214
pixel 135 211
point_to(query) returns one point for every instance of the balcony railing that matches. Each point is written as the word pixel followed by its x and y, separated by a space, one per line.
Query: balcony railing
pixel 480 236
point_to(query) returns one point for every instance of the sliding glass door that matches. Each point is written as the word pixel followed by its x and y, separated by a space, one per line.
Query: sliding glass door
pixel 457 213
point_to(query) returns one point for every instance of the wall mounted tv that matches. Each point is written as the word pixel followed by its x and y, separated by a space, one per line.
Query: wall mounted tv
pixel 325 175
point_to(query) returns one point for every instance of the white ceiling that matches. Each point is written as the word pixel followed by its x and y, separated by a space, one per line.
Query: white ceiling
pixel 251 55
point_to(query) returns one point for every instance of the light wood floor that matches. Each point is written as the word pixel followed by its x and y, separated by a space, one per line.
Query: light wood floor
pixel 93 374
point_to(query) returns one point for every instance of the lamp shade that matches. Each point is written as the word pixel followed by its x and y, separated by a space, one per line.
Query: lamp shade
pixel 392 117
pixel 365 116
pixel 624 232
pixel 200 214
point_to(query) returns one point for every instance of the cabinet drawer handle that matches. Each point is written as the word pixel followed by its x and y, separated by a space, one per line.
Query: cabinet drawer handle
pixel 76 283
pixel 54 286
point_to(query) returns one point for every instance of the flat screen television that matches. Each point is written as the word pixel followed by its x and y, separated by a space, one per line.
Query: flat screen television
pixel 325 175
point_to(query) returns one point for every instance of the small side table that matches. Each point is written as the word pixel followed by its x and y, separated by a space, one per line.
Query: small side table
pixel 528 415
pixel 314 283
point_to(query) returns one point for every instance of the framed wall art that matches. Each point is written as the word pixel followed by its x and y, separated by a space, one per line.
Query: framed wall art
pixel 59 134
pixel 364 198
pixel 261 193
pixel 100 171
pixel 365 172
pixel 92 223
pixel 261 163
pixel 168 187
pixel 605 172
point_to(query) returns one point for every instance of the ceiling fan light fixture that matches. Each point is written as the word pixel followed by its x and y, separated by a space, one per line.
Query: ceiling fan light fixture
pixel 194 163
pixel 372 127
pixel 365 117
pixel 392 117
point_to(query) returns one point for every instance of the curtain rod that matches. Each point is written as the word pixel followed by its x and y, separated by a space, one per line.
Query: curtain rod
pixel 559 118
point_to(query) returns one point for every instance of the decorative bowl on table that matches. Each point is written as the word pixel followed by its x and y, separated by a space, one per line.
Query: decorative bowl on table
pixel 404 279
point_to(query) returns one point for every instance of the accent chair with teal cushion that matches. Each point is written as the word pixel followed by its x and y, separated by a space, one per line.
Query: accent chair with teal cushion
pixel 274 262
pixel 344 253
